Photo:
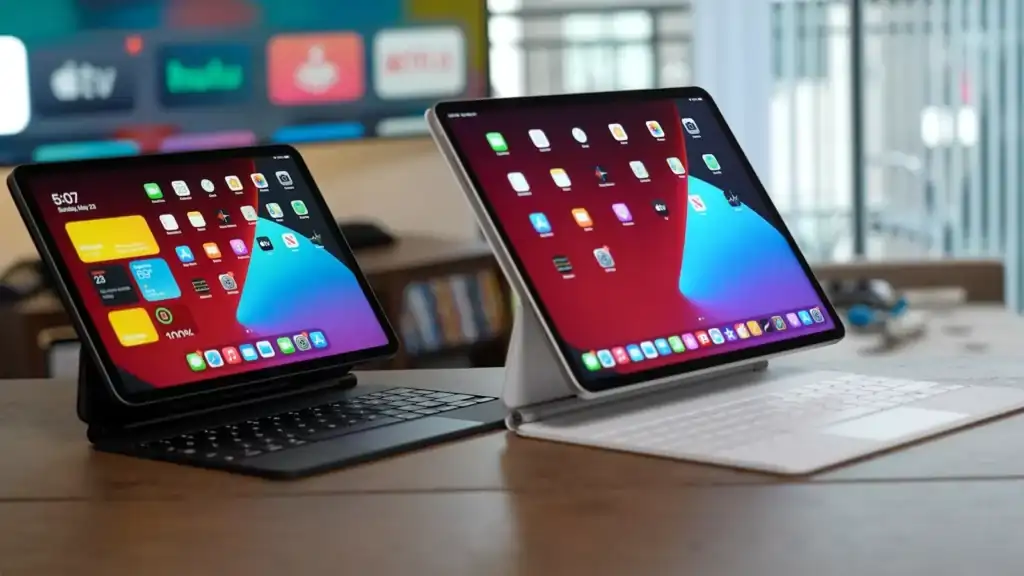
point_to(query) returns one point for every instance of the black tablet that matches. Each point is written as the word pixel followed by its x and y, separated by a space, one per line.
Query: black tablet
pixel 636 228
pixel 191 273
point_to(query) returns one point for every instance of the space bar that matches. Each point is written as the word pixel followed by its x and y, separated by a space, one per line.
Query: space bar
pixel 360 427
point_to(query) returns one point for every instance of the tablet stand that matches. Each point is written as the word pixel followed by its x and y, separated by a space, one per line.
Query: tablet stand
pixel 107 416
pixel 537 385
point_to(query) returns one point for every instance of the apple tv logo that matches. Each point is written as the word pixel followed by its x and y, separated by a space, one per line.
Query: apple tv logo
pixel 80 83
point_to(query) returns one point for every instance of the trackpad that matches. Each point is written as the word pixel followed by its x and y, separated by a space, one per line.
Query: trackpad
pixel 893 424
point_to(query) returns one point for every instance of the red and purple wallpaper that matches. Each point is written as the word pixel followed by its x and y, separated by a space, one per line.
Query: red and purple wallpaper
pixel 195 271
pixel 647 241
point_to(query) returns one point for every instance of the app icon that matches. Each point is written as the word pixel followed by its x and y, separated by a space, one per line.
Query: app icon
pixel 604 257
pixel 290 240
pixel 212 251
pixel 730 334
pixel 315 68
pixel 284 178
pixel 601 174
pixel 249 213
pixel 676 343
pixel 579 135
pixel 200 286
pixel 195 362
pixel 497 142
pixel 234 183
pixel 81 80
pixel 639 169
pixel 185 254
pixel 649 350
pixel 248 352
pixel 690 341
pixel 203 74
pixel 259 180
pixel 284 344
pixel 299 207
pixel 711 162
pixel 676 166
pixel 316 239
pixel 590 362
pixel 265 349
pixel 153 191
pixel 302 342
pixel 635 354
pixel 264 243
pixel 16 97
pixel 207 186
pixel 755 328
pixel 227 281
pixel 213 358
pixel 582 217
pixel 560 177
pixel 223 218
pixel 318 339
pixel 238 247
pixel 620 355
pixel 779 323
pixel 663 348
pixel 196 219
pixel 697 203
pixel 716 336
pixel 540 223
pixel 767 325
pixel 732 198
pixel 168 222
pixel 741 330
pixel 660 208
pixel 155 279
pixel 703 339
pixel 690 126
pixel 539 138
pixel 805 317
pixel 231 355
pixel 562 264
pixel 793 320
pixel 618 132
pixel 181 188
pixel 655 129
pixel 420 62
pixel 274 210
pixel 518 182
pixel 622 212
pixel 817 316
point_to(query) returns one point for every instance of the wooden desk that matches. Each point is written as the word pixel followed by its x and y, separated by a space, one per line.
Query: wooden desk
pixel 503 505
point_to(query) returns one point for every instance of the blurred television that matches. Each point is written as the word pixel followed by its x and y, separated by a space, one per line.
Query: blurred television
pixel 101 78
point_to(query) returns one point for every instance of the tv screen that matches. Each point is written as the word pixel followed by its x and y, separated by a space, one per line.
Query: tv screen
pixel 101 78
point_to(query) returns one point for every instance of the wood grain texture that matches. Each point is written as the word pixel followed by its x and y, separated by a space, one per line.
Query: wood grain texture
pixel 498 504
pixel 934 529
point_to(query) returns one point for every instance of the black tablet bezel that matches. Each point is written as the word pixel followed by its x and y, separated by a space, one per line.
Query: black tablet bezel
pixel 20 185
pixel 586 380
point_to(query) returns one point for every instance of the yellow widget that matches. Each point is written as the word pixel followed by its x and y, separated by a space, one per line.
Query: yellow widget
pixel 112 238
pixel 133 327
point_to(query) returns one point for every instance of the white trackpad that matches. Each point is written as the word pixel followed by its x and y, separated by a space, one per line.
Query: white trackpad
pixel 893 424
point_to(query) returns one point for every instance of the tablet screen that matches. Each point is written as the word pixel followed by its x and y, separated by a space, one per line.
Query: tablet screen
pixel 641 231
pixel 204 268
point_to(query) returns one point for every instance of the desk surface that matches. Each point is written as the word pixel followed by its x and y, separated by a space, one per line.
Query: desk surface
pixel 503 505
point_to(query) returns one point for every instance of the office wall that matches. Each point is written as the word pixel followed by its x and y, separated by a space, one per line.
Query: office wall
pixel 403 184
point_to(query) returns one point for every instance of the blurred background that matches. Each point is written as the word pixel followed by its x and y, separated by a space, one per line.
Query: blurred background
pixel 886 131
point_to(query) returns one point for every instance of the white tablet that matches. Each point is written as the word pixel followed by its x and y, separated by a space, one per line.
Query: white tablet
pixel 636 228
